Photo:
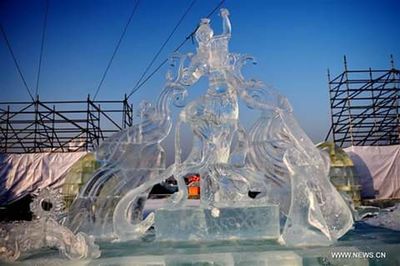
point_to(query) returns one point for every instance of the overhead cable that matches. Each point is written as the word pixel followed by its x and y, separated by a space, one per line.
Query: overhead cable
pixel 133 12
pixel 165 42
pixel 15 61
pixel 42 46
pixel 136 88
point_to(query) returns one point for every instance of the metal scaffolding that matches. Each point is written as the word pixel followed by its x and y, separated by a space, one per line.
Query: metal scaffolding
pixel 365 107
pixel 60 126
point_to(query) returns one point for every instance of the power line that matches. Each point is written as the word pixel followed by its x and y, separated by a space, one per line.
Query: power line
pixel 42 45
pixel 136 88
pixel 15 61
pixel 117 47
pixel 165 42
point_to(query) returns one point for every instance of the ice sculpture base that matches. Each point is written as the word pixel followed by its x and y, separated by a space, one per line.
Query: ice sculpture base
pixel 283 258
pixel 247 252
pixel 187 224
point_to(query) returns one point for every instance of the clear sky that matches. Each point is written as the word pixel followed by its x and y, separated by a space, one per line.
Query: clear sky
pixel 294 43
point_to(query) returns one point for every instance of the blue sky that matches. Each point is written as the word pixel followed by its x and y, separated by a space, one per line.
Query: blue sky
pixel 294 43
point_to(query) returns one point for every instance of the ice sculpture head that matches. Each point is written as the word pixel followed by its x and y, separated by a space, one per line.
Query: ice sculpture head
pixel 204 33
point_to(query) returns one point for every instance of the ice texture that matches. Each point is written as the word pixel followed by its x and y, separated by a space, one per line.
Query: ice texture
pixel 188 224
pixel 274 158
pixel 22 238
pixel 282 258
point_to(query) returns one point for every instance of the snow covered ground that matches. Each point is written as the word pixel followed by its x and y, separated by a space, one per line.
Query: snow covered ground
pixel 387 218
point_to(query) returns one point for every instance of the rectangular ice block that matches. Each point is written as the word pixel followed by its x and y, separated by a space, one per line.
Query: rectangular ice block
pixel 196 223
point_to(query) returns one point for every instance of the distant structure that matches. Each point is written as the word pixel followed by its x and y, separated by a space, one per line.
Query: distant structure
pixel 365 107
pixel 60 126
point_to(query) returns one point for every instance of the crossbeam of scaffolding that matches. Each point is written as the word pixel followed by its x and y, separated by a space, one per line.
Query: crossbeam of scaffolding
pixel 60 126
pixel 365 107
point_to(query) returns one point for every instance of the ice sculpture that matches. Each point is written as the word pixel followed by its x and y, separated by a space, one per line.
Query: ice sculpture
pixel 21 238
pixel 274 158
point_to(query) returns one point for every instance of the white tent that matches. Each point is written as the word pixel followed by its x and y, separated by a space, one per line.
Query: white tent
pixel 21 174
pixel 378 170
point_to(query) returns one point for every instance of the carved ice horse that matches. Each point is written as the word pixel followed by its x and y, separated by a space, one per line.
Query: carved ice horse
pixel 123 167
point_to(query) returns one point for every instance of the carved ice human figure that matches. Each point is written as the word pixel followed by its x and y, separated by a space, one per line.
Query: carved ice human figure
pixel 214 116
pixel 219 106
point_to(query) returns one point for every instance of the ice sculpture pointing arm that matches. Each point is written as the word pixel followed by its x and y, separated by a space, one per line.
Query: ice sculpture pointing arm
pixel 226 23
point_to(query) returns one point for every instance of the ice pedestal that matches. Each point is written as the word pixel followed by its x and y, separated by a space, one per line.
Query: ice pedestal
pixel 260 222
pixel 270 258
pixel 283 258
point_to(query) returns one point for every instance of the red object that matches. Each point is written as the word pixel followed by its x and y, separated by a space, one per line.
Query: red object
pixel 193 183
pixel 193 178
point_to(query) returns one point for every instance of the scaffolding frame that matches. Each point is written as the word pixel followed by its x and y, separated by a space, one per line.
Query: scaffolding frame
pixel 365 107
pixel 60 126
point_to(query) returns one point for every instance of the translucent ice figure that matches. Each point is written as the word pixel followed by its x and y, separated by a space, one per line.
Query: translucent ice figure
pixel 274 158
pixel 315 213
pixel 22 238
pixel 130 158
